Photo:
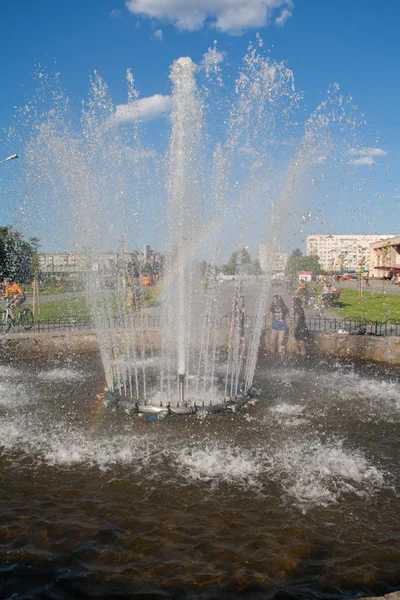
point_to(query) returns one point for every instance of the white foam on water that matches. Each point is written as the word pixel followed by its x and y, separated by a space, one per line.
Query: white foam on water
pixel 221 464
pixel 288 415
pixel 64 375
pixel 12 436
pixel 311 472
pixel 6 371
pixel 287 409
pixel 316 473
pixel 287 375
pixel 68 446
pixel 76 448
pixel 374 397
pixel 382 397
pixel 12 395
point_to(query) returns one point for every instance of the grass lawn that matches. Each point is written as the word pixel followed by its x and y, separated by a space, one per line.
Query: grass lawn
pixel 76 308
pixel 374 306
pixel 50 289
pixel 73 309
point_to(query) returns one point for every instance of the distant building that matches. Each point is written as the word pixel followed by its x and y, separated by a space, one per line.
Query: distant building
pixel 109 262
pixel 156 260
pixel 343 252
pixel 62 262
pixel 272 261
pixel 384 257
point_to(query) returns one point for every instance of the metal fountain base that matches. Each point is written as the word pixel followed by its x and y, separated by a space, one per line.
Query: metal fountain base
pixel 234 404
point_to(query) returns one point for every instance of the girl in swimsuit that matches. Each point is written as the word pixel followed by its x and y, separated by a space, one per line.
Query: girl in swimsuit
pixel 279 315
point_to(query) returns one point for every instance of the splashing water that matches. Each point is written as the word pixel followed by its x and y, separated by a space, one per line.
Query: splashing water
pixel 234 155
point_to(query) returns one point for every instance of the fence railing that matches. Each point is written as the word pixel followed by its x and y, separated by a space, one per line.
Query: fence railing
pixel 390 327
pixel 314 323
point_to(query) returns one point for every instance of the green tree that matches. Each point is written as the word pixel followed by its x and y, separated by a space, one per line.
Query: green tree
pixel 311 263
pixel 239 259
pixel 298 262
pixel 35 244
pixel 17 256
pixel 204 269
pixel 257 267
pixel 293 263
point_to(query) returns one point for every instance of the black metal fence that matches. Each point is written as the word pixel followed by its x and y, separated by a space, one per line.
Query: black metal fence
pixel 70 324
pixel 331 325
pixel 354 326
pixel 314 323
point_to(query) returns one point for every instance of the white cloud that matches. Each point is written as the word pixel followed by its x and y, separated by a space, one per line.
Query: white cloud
pixel 365 156
pixel 363 160
pixel 115 13
pixel 283 17
pixel 229 16
pixel 158 35
pixel 367 152
pixel 144 109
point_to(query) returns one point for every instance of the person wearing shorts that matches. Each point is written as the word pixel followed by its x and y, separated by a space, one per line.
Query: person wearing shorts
pixel 13 291
pixel 300 330
pixel 279 316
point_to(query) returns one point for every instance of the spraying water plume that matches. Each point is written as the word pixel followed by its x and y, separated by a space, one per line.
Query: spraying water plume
pixel 233 157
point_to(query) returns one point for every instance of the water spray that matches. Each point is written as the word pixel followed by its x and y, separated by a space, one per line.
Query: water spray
pixel 12 157
pixel 181 387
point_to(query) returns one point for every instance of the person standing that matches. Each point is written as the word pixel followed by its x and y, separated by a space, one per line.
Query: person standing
pixel 279 317
pixel 299 328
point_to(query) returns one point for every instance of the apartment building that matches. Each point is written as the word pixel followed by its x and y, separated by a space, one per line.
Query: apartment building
pixel 271 260
pixel 343 252
pixel 75 262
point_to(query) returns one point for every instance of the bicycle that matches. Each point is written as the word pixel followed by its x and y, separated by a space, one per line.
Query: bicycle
pixel 22 316
pixel 311 298
pixel 308 297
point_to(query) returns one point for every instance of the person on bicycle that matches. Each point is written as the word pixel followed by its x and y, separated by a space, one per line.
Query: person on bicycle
pixel 13 291
pixel 327 294
pixel 302 292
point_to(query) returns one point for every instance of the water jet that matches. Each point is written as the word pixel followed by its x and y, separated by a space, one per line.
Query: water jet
pixel 298 495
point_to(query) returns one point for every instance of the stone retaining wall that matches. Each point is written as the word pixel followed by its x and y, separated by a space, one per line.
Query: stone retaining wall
pixel 392 596
pixel 359 347
pixel 31 345
pixel 355 347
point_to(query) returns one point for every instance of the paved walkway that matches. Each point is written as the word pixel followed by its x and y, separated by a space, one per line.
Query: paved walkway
pixel 375 285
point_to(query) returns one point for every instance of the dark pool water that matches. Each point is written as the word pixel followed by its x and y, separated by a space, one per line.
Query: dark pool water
pixel 295 498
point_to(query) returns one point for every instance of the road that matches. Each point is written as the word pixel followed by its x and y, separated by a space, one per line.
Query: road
pixel 375 285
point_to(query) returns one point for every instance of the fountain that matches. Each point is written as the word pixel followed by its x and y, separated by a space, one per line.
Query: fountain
pixel 208 187
pixel 293 499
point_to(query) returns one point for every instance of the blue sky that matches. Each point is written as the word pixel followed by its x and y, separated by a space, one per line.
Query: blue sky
pixel 354 43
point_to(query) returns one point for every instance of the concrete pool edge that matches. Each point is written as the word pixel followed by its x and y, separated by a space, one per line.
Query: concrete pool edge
pixel 391 596
pixel 385 350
